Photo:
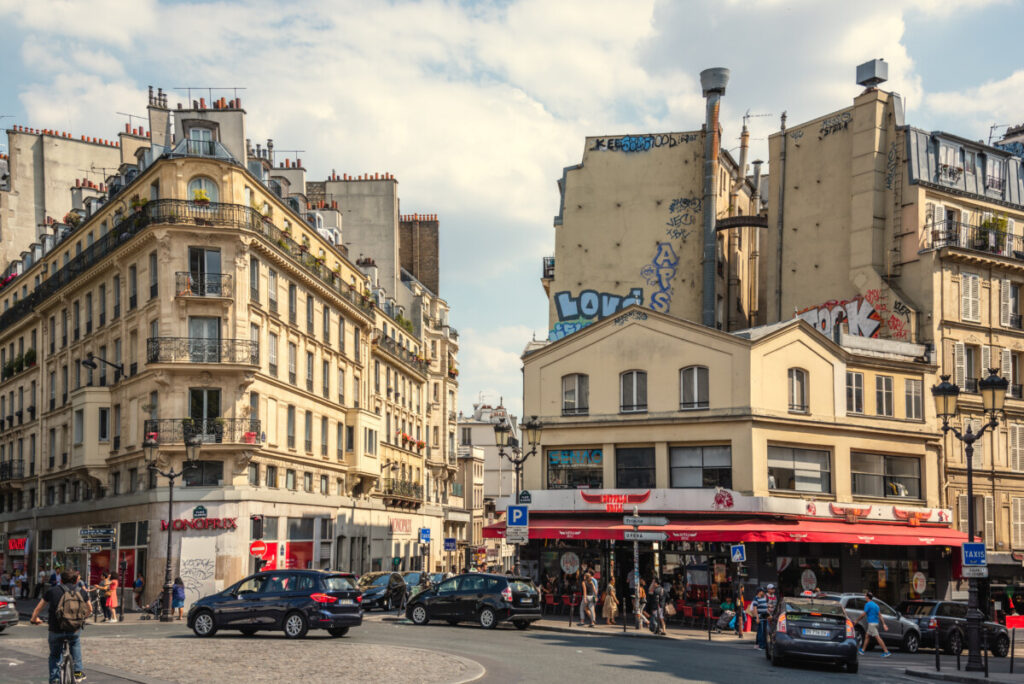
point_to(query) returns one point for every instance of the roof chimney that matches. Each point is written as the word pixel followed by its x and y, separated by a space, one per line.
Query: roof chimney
pixel 712 82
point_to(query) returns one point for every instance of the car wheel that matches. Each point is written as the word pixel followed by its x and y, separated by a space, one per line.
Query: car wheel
pixel 204 625
pixel 955 644
pixel 773 656
pixel 488 618
pixel 911 642
pixel 248 632
pixel 338 631
pixel 521 624
pixel 1001 647
pixel 295 625
pixel 419 614
pixel 852 666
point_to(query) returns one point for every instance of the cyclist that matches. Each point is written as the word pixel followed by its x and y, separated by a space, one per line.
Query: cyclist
pixel 58 636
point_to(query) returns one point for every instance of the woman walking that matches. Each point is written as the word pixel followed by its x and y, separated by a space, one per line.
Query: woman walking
pixel 611 602
pixel 111 602
pixel 104 590
pixel 140 585
pixel 178 597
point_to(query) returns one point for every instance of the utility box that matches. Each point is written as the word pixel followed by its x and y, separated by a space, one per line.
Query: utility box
pixel 870 74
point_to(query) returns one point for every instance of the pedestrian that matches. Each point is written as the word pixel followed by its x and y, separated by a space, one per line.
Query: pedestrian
pixel 137 589
pixel 178 596
pixel 762 615
pixel 585 588
pixel 741 612
pixel 611 602
pixel 772 599
pixel 112 598
pixel 642 611
pixel 40 582
pixel 872 617
pixel 594 592
pixel 658 607
pixel 23 581
pixel 68 610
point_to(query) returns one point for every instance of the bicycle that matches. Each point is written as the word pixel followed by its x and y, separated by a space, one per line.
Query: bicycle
pixel 66 665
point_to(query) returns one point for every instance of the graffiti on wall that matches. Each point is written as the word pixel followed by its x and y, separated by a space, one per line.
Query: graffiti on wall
pixel 860 315
pixel 834 124
pixel 575 313
pixel 630 316
pixel 659 275
pixel 896 320
pixel 892 165
pixel 642 143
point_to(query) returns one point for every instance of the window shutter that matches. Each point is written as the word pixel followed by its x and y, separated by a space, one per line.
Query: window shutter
pixel 929 214
pixel 1009 228
pixel 1004 303
pixel 959 365
pixel 986 359
pixel 1014 436
pixel 583 392
pixel 961 506
pixel 1005 364
pixel 1017 523
pixel 990 523
pixel 975 298
pixel 940 217
pixel 965 297
pixel 979 447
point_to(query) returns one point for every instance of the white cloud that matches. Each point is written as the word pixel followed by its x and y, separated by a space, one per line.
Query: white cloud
pixel 995 102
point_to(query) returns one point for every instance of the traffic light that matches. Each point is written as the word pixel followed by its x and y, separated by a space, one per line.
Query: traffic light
pixel 257 526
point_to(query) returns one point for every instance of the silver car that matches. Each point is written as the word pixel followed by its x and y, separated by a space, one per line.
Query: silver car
pixel 8 612
pixel 900 633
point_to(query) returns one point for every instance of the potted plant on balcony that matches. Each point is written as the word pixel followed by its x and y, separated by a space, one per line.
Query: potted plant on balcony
pixel 200 197
pixel 30 358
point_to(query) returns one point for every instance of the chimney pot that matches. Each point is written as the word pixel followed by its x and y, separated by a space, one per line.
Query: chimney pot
pixel 202 103
pixel 128 128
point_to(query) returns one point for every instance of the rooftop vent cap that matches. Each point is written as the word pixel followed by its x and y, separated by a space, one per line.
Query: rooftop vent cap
pixel 870 74
pixel 714 80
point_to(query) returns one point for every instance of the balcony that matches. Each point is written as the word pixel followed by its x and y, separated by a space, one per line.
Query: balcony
pixel 416 363
pixel 988 239
pixel 211 431
pixel 197 350
pixel 452 416
pixel 548 267
pixel 971 385
pixel 12 470
pixel 995 183
pixel 1015 392
pixel 402 492
pixel 1016 321
pixel 950 174
pixel 188 284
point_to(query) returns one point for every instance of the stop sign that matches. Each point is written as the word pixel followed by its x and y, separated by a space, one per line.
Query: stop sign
pixel 257 548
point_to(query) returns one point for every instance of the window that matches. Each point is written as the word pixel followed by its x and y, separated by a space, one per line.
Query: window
pixel 133 287
pixel 323 484
pixel 309 431
pixel 799 470
pixel 1017 523
pixel 574 468
pixel 254 280
pixel 881 475
pixel 307 482
pixel 309 314
pixel 293 303
pixel 341 386
pixel 703 466
pixel 309 371
pixel 467 437
pixel 633 392
pixel 104 424
pixel 117 296
pixel 995 173
pixel 693 388
pixel 854 392
pixel 798 390
pixel 326 377
pixel 79 426
pixel 575 394
pixel 356 351
pixel 272 289
pixel 101 301
pixel 272 353
pixel 914 396
pixel 327 324
pixel 292 352
pixel 291 427
pixel 984 517
pixel 201 189
pixel 634 468
pixel 115 485
pixel 970 297
pixel 341 333
pixel 1015 446
pixel 289 479
pixel 271 479
pixel 323 436
pixel 254 474
pixel 883 395
pixel 153 287
pixel 350 438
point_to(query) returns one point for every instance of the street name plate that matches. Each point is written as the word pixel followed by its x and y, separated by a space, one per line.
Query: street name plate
pixel 96 532
pixel 638 520
pixel 517 535
pixel 632 535
pixel 974 571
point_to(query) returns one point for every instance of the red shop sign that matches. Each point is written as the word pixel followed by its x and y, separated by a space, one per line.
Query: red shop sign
pixel 17 543
pixel 200 524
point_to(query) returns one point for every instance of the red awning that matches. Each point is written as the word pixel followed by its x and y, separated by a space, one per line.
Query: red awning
pixel 747 530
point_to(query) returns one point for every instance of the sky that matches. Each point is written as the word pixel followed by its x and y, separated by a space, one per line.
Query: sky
pixel 477 106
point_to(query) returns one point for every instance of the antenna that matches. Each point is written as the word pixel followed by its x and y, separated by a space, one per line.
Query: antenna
pixel 991 130
pixel 209 91
pixel 132 116
pixel 748 116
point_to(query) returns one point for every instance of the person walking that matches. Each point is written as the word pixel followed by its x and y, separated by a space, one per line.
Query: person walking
pixel 104 594
pixel 137 589
pixel 68 610
pixel 112 598
pixel 772 599
pixel 642 596
pixel 658 609
pixel 23 581
pixel 611 602
pixel 178 597
pixel 585 588
pixel 871 616
pixel 762 616
pixel 41 581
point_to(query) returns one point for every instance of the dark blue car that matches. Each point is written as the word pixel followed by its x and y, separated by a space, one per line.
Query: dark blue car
pixel 293 601
pixel 811 629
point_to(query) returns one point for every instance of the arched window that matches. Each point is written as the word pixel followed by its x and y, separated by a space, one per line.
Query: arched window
pixel 693 388
pixel 798 390
pixel 575 394
pixel 633 385
pixel 202 188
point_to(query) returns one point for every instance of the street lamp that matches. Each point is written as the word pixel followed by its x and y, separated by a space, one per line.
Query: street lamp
pixel 993 394
pixel 152 447
pixel 504 439
pixel 91 360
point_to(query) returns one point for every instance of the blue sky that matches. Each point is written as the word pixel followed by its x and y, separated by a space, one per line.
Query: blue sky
pixel 476 107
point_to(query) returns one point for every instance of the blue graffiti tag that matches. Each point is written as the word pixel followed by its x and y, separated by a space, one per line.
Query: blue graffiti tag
pixel 563 328
pixel 593 304
pixel 659 274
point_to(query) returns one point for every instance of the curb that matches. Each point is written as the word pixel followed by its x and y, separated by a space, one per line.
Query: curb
pixel 951 677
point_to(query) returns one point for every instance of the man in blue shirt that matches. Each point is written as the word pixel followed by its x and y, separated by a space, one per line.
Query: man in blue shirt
pixel 873 618
pixel 762 615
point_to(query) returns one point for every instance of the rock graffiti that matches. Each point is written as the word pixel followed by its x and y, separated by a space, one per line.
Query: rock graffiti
pixel 833 125
pixel 642 143
pixel 860 315
pixel 892 165
pixel 564 328
pixel 796 135
pixel 196 573
pixel 630 316
pixel 1015 148
pixel 659 275
pixel 575 313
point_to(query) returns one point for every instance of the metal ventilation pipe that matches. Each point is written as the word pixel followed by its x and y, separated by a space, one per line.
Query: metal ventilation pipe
pixel 712 82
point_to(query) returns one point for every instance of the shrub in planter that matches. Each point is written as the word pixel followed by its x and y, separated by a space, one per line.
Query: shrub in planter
pixel 30 358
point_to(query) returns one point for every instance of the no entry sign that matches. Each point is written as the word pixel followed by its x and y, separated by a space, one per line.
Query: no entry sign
pixel 257 548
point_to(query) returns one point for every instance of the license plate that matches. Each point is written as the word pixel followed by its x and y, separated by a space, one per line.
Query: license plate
pixel 526 600
pixel 816 632
pixel 346 602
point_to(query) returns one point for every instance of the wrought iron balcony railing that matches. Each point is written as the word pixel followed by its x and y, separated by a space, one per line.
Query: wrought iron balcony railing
pixel 210 431
pixel 198 350
pixel 971 385
pixel 403 488
pixel 12 470
pixel 187 284
pixel 1015 392
pixel 420 365
pixel 977 239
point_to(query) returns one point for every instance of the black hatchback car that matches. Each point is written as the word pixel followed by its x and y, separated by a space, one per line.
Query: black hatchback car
pixel 487 599
pixel 946 621
pixel 811 629
pixel 293 601
pixel 384 590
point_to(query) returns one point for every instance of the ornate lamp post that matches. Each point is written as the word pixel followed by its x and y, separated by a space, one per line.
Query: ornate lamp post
pixel 192 445
pixel 993 394
pixel 505 440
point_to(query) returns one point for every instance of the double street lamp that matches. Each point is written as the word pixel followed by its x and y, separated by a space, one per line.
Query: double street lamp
pixel 152 446
pixel 504 438
pixel 993 394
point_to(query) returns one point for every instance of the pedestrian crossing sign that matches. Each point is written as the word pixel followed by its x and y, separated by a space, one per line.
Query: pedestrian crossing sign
pixel 738 553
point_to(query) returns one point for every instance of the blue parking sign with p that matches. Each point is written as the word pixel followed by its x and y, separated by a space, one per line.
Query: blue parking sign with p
pixel 738 553
pixel 518 516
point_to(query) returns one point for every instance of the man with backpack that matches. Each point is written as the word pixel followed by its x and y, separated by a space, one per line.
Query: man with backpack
pixel 69 608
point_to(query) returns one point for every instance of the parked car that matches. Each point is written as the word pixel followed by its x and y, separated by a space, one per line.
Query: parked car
pixel 900 632
pixel 946 621
pixel 812 629
pixel 413 577
pixel 294 601
pixel 8 612
pixel 487 599
pixel 384 590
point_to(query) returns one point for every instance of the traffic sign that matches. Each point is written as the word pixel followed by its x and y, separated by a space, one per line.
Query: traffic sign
pixel 637 520
pixel 517 535
pixel 258 548
pixel 525 497
pixel 449 543
pixel 424 535
pixel 974 554
pixel 96 532
pixel 738 553
pixel 518 516
pixel 974 571
pixel 102 541
pixel 633 535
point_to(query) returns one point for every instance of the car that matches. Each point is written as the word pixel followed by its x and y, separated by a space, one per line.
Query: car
pixel 384 590
pixel 946 623
pixel 8 612
pixel 811 629
pixel 293 601
pixel 413 577
pixel 899 632
pixel 484 598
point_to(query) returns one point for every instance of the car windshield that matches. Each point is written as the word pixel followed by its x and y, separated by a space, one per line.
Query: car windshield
pixel 524 586
pixel 916 609
pixel 412 578
pixel 437 577
pixel 338 583
pixel 811 606
pixel 373 580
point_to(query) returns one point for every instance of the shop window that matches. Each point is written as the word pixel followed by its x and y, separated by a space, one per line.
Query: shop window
pixel 634 468
pixel 800 470
pixel 575 468
pixel 633 391
pixel 702 466
pixel 882 475
pixel 575 395
pixel 204 474
pixel 300 529
pixel 693 388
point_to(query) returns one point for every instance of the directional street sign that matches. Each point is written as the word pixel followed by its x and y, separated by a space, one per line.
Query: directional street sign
pixel 449 543
pixel 638 520
pixel 517 535
pixel 424 535
pixel 96 532
pixel 974 571
pixel 518 516
pixel 101 541
pixel 633 535
pixel 738 553
pixel 974 554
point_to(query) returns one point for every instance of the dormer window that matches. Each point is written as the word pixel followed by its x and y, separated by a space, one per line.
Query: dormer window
pixel 995 174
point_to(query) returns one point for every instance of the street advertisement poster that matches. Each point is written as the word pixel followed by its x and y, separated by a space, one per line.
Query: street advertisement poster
pixel 197 567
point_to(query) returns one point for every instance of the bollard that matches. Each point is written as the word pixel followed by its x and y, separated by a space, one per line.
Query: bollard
pixel 708 609
pixel 1013 641
pixel 958 662
pixel 984 647
pixel 938 667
